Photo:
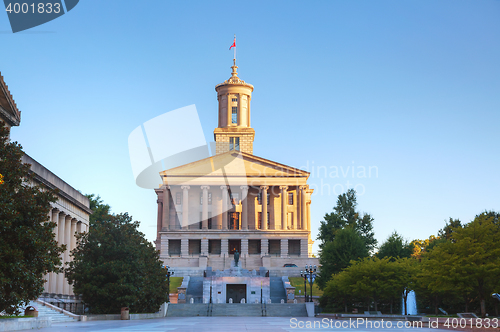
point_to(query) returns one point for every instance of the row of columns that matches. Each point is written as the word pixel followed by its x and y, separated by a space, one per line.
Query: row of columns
pixel 169 222
pixel 64 233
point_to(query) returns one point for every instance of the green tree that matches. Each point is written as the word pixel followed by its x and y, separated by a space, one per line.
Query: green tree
pixel 394 247
pixel 27 247
pixel 449 228
pixel 114 266
pixel 345 215
pixel 100 211
pixel 470 262
pixel 348 245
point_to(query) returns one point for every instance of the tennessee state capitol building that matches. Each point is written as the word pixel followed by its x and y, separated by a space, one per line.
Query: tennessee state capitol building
pixel 234 200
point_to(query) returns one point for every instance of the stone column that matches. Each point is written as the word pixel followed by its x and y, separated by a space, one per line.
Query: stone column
pixel 303 211
pixel 159 218
pixel 204 212
pixel 284 204
pixel 185 207
pixel 53 276
pixel 165 219
pixel 244 208
pixel 224 247
pixel 229 111
pixel 67 241
pixel 264 247
pixel 244 247
pixel 264 206
pixel 296 211
pixel 204 247
pixel 73 245
pixel 184 247
pixel 224 206
pixel 60 276
pixel 284 247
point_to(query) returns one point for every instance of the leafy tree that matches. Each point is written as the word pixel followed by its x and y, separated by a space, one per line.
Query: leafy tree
pixel 100 211
pixel 394 247
pixel 27 247
pixel 345 215
pixel 470 262
pixel 348 245
pixel 449 228
pixel 114 266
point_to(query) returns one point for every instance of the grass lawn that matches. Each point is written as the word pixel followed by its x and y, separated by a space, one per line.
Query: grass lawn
pixel 4 317
pixel 174 283
pixel 298 283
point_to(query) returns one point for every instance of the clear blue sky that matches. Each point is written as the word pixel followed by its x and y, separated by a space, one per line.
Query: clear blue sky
pixel 409 87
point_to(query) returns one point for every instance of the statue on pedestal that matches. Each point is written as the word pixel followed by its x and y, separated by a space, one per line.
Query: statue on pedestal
pixel 236 258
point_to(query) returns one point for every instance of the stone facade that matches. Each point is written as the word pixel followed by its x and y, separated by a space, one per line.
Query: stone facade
pixel 70 212
pixel 210 208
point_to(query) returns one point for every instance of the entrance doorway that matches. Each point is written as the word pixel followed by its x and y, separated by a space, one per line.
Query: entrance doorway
pixel 237 292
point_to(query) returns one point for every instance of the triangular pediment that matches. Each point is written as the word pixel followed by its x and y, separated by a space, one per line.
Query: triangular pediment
pixel 8 108
pixel 236 166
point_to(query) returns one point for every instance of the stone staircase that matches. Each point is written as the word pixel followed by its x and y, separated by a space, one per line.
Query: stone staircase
pixel 277 289
pixel 237 310
pixel 57 317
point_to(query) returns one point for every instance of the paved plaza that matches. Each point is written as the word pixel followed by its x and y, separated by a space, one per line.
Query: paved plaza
pixel 219 324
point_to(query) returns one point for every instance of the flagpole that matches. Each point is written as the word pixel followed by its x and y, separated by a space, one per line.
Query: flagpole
pixel 235 49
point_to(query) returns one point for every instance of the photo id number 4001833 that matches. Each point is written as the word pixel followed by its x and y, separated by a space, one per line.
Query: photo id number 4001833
pixel 40 8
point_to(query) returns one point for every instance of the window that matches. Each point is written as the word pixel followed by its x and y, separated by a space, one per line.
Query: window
pixel 259 220
pixel 234 115
pixel 178 198
pixel 234 143
pixel 209 198
pixel 259 198
pixel 235 198
pixel 234 99
pixel 290 198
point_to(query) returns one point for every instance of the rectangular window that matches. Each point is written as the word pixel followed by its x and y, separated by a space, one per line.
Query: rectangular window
pixel 235 198
pixel 209 198
pixel 259 220
pixel 234 99
pixel 178 198
pixel 259 198
pixel 268 198
pixel 210 220
pixel 290 198
pixel 234 115
pixel 234 143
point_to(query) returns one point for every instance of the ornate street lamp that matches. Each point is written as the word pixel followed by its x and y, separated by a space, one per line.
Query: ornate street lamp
pixel 169 273
pixel 304 275
pixel 310 274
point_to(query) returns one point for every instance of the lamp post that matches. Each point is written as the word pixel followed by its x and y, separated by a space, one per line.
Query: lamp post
pixel 304 275
pixel 310 274
pixel 169 273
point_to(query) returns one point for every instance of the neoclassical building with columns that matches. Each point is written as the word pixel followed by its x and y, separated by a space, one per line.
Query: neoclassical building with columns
pixel 70 212
pixel 234 200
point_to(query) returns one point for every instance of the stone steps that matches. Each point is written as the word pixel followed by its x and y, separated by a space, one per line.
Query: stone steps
pixel 237 310
pixel 277 289
pixel 56 316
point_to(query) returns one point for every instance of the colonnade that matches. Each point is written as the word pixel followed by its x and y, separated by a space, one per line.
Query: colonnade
pixel 64 233
pixel 178 216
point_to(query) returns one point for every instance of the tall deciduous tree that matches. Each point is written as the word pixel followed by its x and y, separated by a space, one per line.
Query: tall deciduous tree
pixel 469 262
pixel 114 266
pixel 345 215
pixel 396 247
pixel 348 245
pixel 27 246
